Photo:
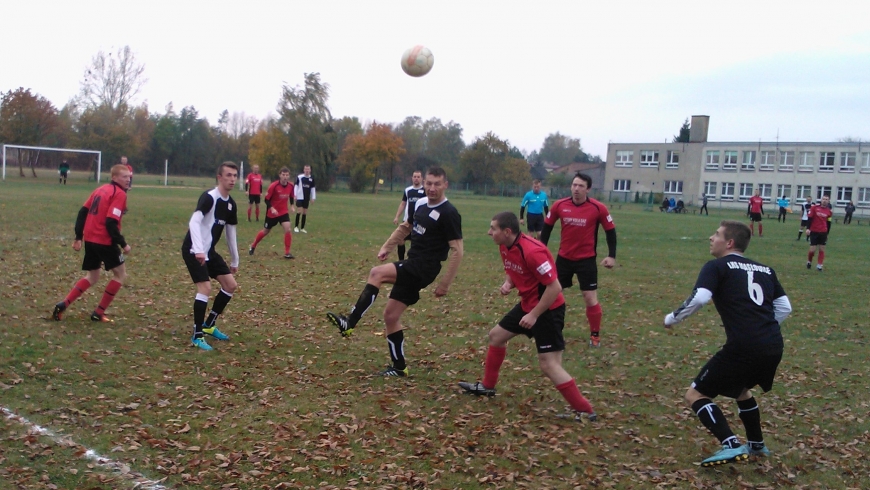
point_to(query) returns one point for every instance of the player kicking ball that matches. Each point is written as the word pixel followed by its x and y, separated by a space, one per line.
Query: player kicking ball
pixel 752 304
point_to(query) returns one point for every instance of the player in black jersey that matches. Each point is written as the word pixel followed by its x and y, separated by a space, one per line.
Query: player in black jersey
pixel 752 304
pixel 436 228
pixel 412 194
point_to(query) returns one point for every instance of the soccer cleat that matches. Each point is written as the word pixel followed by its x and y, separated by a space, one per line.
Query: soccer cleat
pixel 251 250
pixel 214 332
pixel 392 371
pixel 594 341
pixel 58 311
pixel 762 451
pixel 201 343
pixel 809 264
pixel 578 416
pixel 96 317
pixel 476 389
pixel 296 229
pixel 340 321
pixel 289 256
pixel 727 455
pixel 303 231
pixel 819 267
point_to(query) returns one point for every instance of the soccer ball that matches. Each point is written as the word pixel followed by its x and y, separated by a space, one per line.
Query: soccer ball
pixel 417 61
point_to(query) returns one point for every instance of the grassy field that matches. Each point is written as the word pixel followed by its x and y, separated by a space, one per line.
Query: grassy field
pixel 288 403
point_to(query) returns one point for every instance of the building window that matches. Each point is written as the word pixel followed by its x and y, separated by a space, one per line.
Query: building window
pixel 649 158
pixel 863 197
pixel 766 191
pixel 730 160
pixel 745 192
pixel 748 160
pixel 865 162
pixel 783 190
pixel 844 195
pixel 804 191
pixel 712 160
pixel 786 163
pixel 727 193
pixel 806 161
pixel 847 161
pixel 673 160
pixel 823 190
pixel 622 185
pixel 767 158
pixel 673 187
pixel 826 161
pixel 710 190
pixel 624 158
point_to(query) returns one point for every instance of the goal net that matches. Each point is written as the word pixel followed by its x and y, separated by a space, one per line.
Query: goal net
pixel 45 161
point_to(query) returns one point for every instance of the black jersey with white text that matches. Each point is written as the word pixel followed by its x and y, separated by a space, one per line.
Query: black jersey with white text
pixel 432 228
pixel 305 188
pixel 411 196
pixel 743 292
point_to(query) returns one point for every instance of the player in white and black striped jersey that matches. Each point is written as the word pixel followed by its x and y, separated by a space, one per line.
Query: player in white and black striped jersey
pixel 305 193
pixel 410 196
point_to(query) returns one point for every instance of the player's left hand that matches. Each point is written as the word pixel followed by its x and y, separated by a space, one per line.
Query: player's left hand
pixel 440 291
pixel 528 320
pixel 234 270
pixel 608 262
pixel 77 245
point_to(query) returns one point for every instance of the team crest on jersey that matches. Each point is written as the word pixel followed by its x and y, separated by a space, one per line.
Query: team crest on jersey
pixel 434 214
pixel 609 219
pixel 544 268
pixel 230 207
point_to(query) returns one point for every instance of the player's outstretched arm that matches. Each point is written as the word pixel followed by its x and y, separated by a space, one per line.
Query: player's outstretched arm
pixel 456 251
pixel 698 298
pixel 396 238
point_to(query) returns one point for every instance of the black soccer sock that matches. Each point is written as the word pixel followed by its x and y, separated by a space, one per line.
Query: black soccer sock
pixel 799 234
pixel 402 252
pixel 365 301
pixel 200 304
pixel 297 220
pixel 714 420
pixel 396 343
pixel 220 302
pixel 303 220
pixel 750 415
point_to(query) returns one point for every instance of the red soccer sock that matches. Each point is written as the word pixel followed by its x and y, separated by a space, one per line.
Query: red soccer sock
pixel 111 290
pixel 494 357
pixel 258 213
pixel 821 257
pixel 752 227
pixel 594 314
pixel 77 291
pixel 260 235
pixel 572 395
pixel 760 229
pixel 288 239
pixel 810 256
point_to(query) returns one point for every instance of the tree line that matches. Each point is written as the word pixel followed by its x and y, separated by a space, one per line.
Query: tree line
pixel 303 132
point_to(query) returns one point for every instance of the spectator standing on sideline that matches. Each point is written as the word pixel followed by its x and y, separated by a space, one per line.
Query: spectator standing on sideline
pixel 99 225
pixel 755 210
pixel 305 193
pixel 410 196
pixel 805 220
pixel 782 202
pixel 278 196
pixel 703 205
pixel 254 188
pixel 581 216
pixel 540 314
pixel 63 172
pixel 819 217
pixel 536 201
pixel 216 212
pixel 753 347
pixel 849 209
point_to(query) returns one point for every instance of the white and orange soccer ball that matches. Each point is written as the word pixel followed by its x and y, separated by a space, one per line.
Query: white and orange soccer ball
pixel 417 61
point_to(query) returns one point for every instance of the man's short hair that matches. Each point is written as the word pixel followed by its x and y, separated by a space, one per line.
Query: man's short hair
pixel 284 169
pixel 437 172
pixel 506 220
pixel 584 177
pixel 737 231
pixel 536 182
pixel 228 164
pixel 118 168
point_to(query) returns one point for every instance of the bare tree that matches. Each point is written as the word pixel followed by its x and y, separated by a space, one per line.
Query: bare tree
pixel 112 80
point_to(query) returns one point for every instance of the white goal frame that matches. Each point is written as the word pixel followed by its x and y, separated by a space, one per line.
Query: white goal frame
pixel 48 148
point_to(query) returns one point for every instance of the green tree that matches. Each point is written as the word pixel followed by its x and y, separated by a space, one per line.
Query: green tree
pixel 343 128
pixel 484 158
pixel 270 149
pixel 26 119
pixel 560 149
pixel 364 156
pixel 305 117
pixel 683 137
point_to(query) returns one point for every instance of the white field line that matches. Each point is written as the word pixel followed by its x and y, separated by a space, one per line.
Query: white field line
pixel 137 480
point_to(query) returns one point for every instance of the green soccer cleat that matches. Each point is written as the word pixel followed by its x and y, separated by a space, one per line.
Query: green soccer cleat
pixel 340 321
pixel 727 455
pixel 392 371
pixel 214 332
pixel 476 389
pixel 201 343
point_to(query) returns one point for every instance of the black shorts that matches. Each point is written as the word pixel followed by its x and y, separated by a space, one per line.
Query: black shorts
pixel 728 374
pixel 412 275
pixel 805 223
pixel 535 222
pixel 586 271
pixel 302 203
pixel 253 199
pixel 215 266
pixel 818 238
pixel 63 174
pixel 547 331
pixel 110 256
pixel 270 223
pixel 755 217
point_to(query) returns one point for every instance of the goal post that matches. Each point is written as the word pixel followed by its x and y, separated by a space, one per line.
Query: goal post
pixel 99 155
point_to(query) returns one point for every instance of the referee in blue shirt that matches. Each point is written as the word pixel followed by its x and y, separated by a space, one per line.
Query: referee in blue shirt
pixel 536 201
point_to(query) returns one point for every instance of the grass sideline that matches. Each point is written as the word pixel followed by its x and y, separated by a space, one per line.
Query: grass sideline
pixel 288 403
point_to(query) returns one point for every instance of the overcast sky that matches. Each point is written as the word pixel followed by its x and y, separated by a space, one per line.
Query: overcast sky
pixel 603 71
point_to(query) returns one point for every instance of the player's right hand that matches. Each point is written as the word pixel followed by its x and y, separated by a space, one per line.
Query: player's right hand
pixel 77 245
pixel 127 249
pixel 382 255
pixel 395 221
pixel 200 257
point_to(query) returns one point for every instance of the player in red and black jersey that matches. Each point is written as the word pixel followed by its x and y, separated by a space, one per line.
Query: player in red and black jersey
pixel 99 225
pixel 819 217
pixel 581 216
pixel 755 210
pixel 278 196
pixel 529 268
pixel 253 188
